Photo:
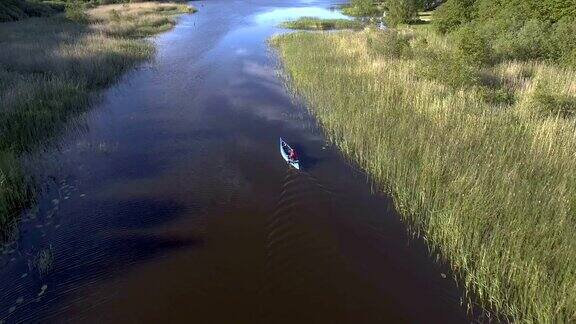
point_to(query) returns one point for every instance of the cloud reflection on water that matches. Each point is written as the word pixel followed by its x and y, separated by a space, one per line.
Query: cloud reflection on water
pixel 276 16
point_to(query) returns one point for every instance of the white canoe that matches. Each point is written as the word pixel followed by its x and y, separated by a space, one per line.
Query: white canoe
pixel 284 151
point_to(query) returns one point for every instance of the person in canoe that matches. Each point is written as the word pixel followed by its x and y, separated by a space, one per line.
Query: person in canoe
pixel 292 155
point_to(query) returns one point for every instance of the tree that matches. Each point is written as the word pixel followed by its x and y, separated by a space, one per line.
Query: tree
pixel 428 4
pixel 453 14
pixel 401 11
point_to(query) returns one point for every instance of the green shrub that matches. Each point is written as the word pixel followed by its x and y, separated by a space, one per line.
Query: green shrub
pixel 37 9
pixel 569 58
pixel 75 11
pixel 562 43
pixel 390 43
pixel 362 8
pixel 552 10
pixel 497 96
pixel 473 47
pixel 11 10
pixel 452 14
pixel 516 29
pixel 401 12
pixel 449 69
pixel 553 104
pixel 529 42
pixel 549 11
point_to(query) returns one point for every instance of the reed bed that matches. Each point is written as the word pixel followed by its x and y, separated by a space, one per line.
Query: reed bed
pixel 48 69
pixel 138 19
pixel 490 183
pixel 313 23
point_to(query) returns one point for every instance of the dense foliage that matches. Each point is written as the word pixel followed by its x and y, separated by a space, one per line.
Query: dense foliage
pixel 516 29
pixel 364 8
pixel 401 11
pixel 396 11
pixel 11 10
pixel 428 4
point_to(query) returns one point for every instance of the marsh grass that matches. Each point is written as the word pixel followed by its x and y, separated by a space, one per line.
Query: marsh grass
pixel 313 23
pixel 137 20
pixel 490 184
pixel 49 67
pixel 43 261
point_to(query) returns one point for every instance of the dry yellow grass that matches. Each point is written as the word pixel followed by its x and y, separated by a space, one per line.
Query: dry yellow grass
pixel 136 19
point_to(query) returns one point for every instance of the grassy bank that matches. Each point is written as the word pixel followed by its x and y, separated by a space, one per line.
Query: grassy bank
pixel 480 160
pixel 48 69
pixel 313 23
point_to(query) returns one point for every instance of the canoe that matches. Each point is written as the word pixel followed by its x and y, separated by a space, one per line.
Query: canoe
pixel 284 151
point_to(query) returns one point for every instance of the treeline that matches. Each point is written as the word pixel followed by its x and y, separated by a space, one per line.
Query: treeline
pixel 11 10
pixel 488 31
pixel 396 11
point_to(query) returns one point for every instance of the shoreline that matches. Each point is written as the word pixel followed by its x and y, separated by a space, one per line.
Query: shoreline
pixel 49 70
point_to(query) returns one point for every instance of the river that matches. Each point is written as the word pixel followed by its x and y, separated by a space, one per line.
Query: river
pixel 169 201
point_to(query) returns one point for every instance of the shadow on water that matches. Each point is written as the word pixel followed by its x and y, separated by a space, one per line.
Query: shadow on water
pixel 117 239
pixel 306 160
pixel 309 268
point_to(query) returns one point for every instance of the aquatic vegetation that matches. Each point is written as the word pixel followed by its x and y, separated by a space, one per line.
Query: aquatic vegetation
pixel 49 67
pixel 42 290
pixel 14 191
pixel 43 261
pixel 138 20
pixel 313 23
pixel 480 163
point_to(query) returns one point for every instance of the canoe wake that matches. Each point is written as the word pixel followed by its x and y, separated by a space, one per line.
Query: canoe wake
pixel 301 245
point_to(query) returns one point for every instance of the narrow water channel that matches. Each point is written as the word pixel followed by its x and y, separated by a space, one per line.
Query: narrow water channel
pixel 169 201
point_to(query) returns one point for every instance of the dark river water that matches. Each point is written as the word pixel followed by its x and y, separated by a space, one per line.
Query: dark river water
pixel 169 201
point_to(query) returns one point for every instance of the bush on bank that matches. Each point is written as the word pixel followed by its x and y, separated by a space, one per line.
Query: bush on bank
pixel 514 30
